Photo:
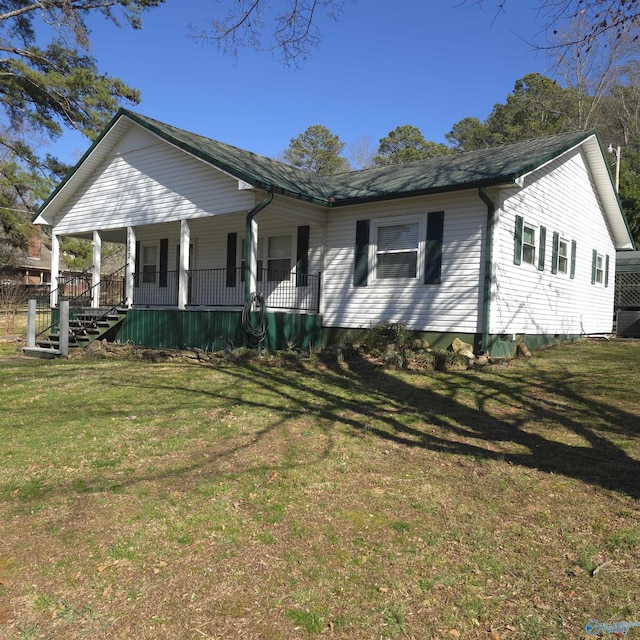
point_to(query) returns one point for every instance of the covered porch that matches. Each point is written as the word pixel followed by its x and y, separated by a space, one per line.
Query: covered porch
pixel 273 302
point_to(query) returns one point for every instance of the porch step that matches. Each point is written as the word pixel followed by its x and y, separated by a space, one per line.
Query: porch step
pixel 83 330
pixel 41 352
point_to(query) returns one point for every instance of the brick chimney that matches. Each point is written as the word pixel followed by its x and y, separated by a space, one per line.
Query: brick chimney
pixel 34 248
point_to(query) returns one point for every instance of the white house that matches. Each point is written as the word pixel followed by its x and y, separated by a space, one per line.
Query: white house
pixel 225 246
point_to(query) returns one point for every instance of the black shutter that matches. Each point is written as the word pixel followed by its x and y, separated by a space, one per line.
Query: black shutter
pixel 556 252
pixel 136 280
pixel 594 266
pixel 232 249
pixel 302 257
pixel 517 245
pixel 433 257
pixel 573 259
pixel 606 271
pixel 542 249
pixel 361 268
pixel 164 260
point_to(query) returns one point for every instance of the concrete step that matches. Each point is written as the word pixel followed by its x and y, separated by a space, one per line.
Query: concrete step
pixel 41 352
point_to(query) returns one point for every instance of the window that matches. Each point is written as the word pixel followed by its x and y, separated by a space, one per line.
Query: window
pixel 149 263
pixel 599 269
pixel 397 251
pixel 279 258
pixel 563 256
pixel 525 237
pixel 528 244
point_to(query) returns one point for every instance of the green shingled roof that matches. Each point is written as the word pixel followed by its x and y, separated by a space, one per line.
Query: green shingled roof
pixel 486 167
pixel 459 170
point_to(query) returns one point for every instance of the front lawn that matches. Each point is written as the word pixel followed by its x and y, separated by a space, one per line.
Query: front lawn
pixel 248 500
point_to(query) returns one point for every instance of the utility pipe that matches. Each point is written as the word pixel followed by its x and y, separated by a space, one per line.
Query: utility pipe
pixel 488 267
pixel 249 249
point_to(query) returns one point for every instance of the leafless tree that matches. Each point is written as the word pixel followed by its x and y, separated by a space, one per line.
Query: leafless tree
pixel 289 29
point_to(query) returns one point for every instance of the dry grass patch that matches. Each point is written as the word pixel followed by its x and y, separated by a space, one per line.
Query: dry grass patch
pixel 242 501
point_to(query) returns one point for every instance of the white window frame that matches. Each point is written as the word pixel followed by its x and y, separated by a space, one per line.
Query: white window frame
pixel 564 259
pixel 535 246
pixel 286 273
pixel 600 266
pixel 149 277
pixel 421 221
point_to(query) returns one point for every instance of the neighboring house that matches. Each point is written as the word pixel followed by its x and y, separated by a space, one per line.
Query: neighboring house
pixel 32 267
pixel 492 246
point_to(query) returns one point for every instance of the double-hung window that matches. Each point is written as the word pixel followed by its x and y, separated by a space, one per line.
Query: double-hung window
pixel 599 269
pixel 525 247
pixel 397 250
pixel 528 244
pixel 279 258
pixel 149 263
pixel 563 256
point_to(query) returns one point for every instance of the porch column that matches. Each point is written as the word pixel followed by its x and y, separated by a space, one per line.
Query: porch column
pixel 130 271
pixel 55 270
pixel 183 276
pixel 251 259
pixel 95 276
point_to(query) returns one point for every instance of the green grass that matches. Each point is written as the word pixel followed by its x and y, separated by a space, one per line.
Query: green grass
pixel 249 500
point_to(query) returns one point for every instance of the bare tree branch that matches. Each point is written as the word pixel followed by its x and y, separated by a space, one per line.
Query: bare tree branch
pixel 292 32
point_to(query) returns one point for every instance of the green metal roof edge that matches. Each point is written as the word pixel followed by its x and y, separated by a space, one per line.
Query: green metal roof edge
pixel 398 195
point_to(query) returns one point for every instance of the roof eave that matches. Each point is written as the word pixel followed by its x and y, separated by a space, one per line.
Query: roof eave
pixel 497 181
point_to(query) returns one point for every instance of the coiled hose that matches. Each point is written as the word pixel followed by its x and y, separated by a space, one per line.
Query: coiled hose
pixel 254 324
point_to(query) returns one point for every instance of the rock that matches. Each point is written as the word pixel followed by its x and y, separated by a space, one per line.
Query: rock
pixel 462 348
pixel 523 350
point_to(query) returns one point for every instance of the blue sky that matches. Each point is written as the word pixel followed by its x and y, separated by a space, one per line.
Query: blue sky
pixel 428 63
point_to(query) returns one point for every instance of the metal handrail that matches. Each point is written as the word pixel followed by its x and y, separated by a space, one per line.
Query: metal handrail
pixel 82 301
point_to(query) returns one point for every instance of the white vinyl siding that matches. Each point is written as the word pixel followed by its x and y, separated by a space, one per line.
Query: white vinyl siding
pixel 150 185
pixel 534 301
pixel 453 305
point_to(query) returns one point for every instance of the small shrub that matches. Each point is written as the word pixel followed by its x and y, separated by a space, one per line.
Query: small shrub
pixel 445 360
pixel 393 358
pixel 385 334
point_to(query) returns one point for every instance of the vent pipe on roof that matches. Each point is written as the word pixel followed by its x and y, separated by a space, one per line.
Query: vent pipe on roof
pixel 488 267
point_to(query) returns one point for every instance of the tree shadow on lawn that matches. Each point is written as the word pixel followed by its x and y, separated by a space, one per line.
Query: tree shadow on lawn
pixel 474 414
pixel 484 415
